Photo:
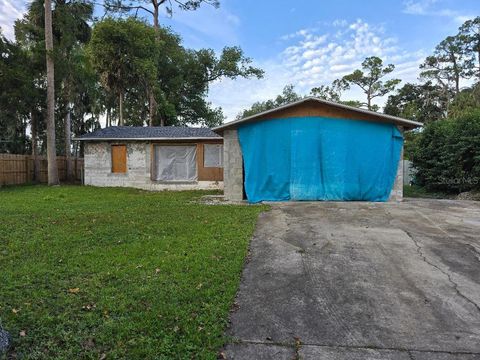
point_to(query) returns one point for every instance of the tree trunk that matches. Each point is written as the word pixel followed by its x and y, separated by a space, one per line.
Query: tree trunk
pixel 156 25
pixel 120 110
pixel 152 107
pixel 68 144
pixel 36 162
pixel 51 147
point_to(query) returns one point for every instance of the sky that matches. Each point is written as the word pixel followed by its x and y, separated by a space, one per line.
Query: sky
pixel 307 43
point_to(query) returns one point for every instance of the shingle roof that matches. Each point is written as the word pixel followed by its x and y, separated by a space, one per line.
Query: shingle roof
pixel 148 133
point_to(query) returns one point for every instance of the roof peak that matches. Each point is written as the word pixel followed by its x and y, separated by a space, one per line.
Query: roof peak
pixel 388 118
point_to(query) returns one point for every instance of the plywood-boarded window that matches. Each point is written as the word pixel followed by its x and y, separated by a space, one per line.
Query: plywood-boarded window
pixel 119 159
pixel 213 155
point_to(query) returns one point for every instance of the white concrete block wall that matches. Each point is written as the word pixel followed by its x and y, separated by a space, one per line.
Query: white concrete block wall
pixel 98 169
pixel 397 191
pixel 232 166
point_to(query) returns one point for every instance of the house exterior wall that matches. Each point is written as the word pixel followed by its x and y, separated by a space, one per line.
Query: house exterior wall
pixel 232 166
pixel 98 168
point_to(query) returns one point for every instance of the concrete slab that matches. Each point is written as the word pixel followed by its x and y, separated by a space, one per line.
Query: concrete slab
pixel 259 352
pixel 383 280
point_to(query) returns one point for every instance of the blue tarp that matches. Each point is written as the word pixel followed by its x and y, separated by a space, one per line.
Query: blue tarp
pixel 317 158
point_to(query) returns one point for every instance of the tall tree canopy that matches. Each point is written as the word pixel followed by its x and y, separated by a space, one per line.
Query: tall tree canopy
pixel 419 102
pixel 134 60
pixel 470 38
pixel 153 7
pixel 161 81
pixel 369 79
pixel 124 53
pixel 448 65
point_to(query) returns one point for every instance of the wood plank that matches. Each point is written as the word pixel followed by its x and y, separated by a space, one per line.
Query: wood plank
pixel 119 158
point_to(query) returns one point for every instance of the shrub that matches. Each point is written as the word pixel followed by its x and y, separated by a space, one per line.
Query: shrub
pixel 447 154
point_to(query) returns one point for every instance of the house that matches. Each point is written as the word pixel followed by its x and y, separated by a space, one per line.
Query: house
pixel 154 158
pixel 314 149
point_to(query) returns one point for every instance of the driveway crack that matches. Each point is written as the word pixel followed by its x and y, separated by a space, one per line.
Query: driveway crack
pixel 455 285
pixel 475 251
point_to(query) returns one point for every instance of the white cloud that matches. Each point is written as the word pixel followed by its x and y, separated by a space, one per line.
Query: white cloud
pixel 9 12
pixel 314 57
pixel 419 7
pixel 214 24
pixel 429 8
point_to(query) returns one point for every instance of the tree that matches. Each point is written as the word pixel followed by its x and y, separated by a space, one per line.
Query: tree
pixel 51 146
pixel 71 30
pixel 330 93
pixel 152 7
pixel 369 79
pixel 287 96
pixel 15 97
pixel 447 65
pixel 446 154
pixel 466 101
pixel 419 102
pixel 470 36
pixel 124 54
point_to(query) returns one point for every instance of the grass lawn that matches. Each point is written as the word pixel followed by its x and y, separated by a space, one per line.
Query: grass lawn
pixel 114 273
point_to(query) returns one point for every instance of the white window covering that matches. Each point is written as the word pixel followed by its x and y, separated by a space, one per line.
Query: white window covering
pixel 213 155
pixel 176 162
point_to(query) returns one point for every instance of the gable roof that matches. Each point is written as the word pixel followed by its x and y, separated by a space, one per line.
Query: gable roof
pixel 409 124
pixel 149 133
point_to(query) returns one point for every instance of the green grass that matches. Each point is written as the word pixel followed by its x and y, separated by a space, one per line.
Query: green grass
pixel 415 191
pixel 156 273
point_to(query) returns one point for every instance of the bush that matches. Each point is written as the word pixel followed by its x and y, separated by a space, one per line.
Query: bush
pixel 447 154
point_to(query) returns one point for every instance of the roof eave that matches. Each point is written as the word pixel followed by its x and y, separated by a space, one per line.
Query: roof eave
pixel 147 139
pixel 399 121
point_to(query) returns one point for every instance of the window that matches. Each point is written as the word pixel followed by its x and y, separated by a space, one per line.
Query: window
pixel 213 155
pixel 119 158
pixel 176 162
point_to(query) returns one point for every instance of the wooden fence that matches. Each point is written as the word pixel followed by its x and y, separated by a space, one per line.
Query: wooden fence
pixel 20 169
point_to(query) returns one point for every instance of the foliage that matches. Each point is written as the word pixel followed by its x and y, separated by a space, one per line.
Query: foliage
pixel 152 6
pixel 15 94
pixel 124 52
pixel 74 89
pixel 448 64
pixel 419 102
pixel 369 79
pixel 81 278
pixel 287 96
pixel 470 35
pixel 447 155
pixel 163 83
pixel 415 191
pixel 467 100
pixel 332 92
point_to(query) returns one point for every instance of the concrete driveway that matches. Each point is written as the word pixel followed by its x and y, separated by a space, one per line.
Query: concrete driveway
pixel 361 281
